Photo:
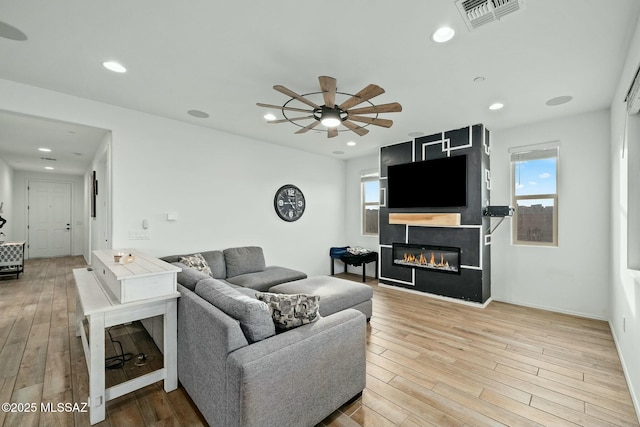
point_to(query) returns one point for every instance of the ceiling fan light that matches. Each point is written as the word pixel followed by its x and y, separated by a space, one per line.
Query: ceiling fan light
pixel 331 122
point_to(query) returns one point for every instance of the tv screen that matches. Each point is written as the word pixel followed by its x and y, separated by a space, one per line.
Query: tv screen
pixel 437 183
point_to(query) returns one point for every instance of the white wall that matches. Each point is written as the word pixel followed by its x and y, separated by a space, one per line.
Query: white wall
pixel 77 206
pixel 573 277
pixel 353 211
pixel 625 283
pixel 6 197
pixel 220 186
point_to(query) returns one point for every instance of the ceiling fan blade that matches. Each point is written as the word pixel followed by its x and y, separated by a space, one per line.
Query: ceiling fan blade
pixel 292 94
pixel 372 121
pixel 308 127
pixel 279 107
pixel 354 127
pixel 392 107
pixel 293 119
pixel 331 132
pixel 328 87
pixel 364 95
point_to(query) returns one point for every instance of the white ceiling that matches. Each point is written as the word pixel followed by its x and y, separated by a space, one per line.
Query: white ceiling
pixel 223 57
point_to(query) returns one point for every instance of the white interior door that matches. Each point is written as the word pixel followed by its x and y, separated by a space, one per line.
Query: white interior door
pixel 49 219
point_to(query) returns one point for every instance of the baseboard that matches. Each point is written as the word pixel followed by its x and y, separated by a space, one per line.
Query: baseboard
pixel 438 297
pixel 553 309
pixel 634 396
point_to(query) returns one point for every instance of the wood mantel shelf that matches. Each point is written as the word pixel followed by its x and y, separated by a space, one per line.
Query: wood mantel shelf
pixel 426 219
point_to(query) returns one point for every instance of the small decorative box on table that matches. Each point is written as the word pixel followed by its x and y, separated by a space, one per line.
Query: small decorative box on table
pixel 145 277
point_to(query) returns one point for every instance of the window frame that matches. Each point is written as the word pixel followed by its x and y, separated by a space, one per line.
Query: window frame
pixel 554 196
pixel 368 176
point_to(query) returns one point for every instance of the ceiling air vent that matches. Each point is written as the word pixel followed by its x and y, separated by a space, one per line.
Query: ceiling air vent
pixel 476 13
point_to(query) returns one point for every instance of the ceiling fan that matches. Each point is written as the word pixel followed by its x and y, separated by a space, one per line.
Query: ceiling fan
pixel 331 115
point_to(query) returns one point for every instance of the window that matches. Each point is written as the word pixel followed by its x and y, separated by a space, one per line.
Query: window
pixel 534 179
pixel 370 189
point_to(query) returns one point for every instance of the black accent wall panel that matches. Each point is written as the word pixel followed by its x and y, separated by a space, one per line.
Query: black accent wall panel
pixel 465 238
pixel 396 154
pixel 387 269
pixel 472 284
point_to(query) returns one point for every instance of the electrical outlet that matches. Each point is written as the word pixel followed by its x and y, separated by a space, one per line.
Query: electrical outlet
pixel 139 235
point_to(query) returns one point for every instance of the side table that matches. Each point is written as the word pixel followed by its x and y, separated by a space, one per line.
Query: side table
pixel 356 260
pixel 102 311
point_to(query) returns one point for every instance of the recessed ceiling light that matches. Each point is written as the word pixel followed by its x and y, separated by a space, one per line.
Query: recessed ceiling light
pixel 48 168
pixel 269 117
pixel 415 134
pixel 338 153
pixel 45 150
pixel 114 66
pixel 351 143
pixel 496 106
pixel 559 100
pixel 443 34
pixel 197 113
pixel 478 79
pixel 12 33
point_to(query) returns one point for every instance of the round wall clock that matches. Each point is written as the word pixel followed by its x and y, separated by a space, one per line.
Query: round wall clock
pixel 289 203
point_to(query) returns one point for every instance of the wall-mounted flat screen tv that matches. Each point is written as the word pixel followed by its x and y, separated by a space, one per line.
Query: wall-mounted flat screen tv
pixel 437 183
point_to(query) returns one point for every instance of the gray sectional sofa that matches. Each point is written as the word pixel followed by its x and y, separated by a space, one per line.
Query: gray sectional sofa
pixel 239 371
pixel 244 266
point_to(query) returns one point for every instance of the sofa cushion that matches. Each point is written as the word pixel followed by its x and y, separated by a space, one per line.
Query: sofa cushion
pixel 270 276
pixel 215 259
pixel 254 316
pixel 188 277
pixel 243 260
pixel 290 311
pixel 336 294
pixel 196 261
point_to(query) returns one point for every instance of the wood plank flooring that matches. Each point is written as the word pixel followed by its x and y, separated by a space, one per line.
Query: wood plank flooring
pixel 429 363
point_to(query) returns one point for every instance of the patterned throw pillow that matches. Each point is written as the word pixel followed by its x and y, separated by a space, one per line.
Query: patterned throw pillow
pixel 291 310
pixel 196 261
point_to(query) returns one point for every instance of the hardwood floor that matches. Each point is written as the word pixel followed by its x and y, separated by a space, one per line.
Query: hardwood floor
pixel 429 363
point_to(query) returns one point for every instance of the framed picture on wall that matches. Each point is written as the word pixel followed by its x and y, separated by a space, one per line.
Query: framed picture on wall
pixel 94 193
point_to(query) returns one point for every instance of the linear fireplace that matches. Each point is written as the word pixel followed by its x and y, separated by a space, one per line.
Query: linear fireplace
pixel 442 259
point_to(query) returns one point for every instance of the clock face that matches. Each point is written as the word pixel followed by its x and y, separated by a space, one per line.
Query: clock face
pixel 289 203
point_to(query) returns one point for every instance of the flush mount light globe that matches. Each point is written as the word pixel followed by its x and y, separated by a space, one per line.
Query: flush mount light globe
pixel 496 106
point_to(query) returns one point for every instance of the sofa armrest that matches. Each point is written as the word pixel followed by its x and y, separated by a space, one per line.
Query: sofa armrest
pixel 206 335
pixel 300 376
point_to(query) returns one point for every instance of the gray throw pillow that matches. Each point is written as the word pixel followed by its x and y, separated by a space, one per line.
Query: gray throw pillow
pixel 291 310
pixel 196 261
pixel 253 315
